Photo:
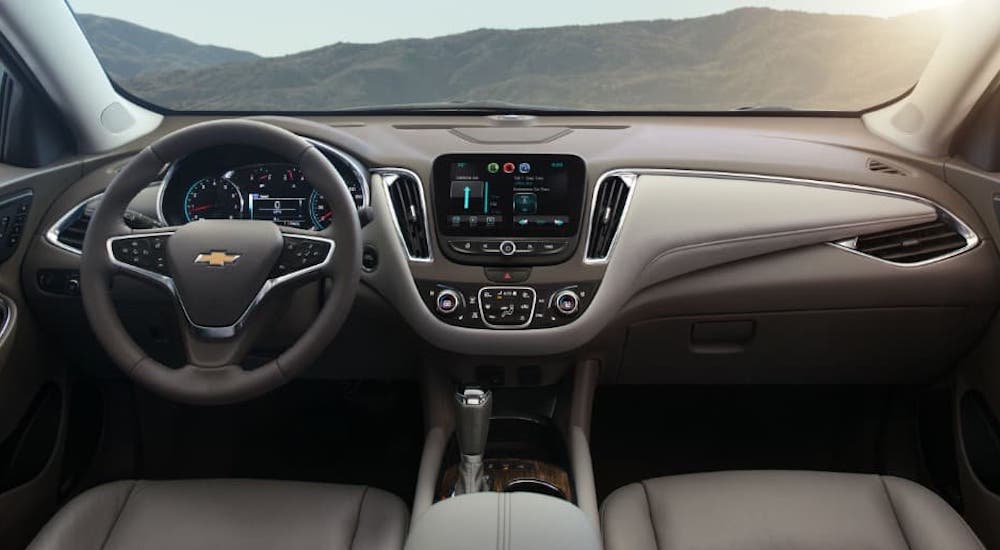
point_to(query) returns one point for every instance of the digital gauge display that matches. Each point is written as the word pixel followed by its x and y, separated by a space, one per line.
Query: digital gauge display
pixel 274 192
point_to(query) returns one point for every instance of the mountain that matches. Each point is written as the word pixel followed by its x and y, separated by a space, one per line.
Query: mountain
pixel 749 56
pixel 127 50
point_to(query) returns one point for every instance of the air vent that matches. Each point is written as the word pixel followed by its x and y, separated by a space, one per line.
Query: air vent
pixel 408 204
pixel 882 167
pixel 610 202
pixel 69 231
pixel 915 244
pixel 72 235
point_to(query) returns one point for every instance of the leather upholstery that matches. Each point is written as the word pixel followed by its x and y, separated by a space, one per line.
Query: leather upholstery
pixel 776 510
pixel 227 514
pixel 503 521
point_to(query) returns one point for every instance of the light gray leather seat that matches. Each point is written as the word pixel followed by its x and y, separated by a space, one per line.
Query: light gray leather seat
pixel 772 510
pixel 227 514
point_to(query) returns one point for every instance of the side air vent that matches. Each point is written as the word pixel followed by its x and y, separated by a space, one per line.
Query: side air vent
pixel 611 200
pixel 882 167
pixel 68 233
pixel 916 244
pixel 407 196
pixel 72 235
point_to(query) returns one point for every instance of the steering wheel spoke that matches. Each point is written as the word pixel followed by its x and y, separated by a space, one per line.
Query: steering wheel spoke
pixel 143 255
pixel 303 255
pixel 214 353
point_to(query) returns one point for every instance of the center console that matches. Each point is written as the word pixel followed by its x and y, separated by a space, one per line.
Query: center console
pixel 508 213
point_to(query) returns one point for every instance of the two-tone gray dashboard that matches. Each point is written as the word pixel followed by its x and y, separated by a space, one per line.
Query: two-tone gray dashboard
pixel 707 195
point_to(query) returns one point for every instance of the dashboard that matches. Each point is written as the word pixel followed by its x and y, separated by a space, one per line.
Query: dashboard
pixel 558 235
pixel 237 182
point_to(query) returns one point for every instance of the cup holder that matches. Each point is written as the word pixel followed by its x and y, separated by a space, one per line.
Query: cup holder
pixel 536 486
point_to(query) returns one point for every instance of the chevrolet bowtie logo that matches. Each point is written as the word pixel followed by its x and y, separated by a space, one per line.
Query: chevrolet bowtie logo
pixel 216 258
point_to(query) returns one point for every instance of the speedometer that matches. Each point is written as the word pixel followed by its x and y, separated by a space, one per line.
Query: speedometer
pixel 212 199
pixel 319 210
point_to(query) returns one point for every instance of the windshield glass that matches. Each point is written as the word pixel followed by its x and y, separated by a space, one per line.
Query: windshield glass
pixel 627 55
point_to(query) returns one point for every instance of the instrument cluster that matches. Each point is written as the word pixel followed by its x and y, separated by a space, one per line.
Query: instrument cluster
pixel 240 183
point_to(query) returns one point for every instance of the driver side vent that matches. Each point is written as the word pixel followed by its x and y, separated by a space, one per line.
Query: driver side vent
pixel 610 203
pixel 71 230
pixel 72 235
pixel 914 244
pixel 408 206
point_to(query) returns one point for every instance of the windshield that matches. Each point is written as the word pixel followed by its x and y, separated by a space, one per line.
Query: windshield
pixel 627 55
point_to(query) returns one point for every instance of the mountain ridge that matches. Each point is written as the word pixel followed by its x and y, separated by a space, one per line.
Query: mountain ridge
pixel 749 56
pixel 127 49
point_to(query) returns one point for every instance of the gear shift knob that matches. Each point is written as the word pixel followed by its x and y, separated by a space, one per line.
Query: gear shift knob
pixel 472 426
pixel 473 408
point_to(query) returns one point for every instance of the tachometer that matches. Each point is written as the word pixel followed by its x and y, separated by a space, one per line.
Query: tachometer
pixel 212 199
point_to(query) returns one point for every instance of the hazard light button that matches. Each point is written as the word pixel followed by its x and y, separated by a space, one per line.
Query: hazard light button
pixel 508 275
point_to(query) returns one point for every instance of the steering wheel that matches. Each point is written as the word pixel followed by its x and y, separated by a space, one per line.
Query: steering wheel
pixel 221 273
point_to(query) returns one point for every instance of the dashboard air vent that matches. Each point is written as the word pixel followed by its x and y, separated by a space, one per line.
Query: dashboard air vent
pixel 68 233
pixel 882 167
pixel 914 244
pixel 71 230
pixel 610 202
pixel 408 205
pixel 72 235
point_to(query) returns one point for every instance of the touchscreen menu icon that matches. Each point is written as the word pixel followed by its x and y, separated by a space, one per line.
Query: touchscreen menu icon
pixel 470 193
pixel 525 203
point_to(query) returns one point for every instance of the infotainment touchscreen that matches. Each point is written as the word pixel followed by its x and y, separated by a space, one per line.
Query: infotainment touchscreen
pixel 509 195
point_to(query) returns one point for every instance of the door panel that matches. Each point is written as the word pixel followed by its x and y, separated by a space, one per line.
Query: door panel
pixel 32 390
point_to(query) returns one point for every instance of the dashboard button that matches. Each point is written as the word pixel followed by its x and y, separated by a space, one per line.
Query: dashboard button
pixel 512 275
pixel 551 247
pixel 527 247
pixel 508 248
pixel 490 247
pixel 465 247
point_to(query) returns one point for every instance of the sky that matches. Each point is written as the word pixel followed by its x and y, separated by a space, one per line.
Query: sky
pixel 287 26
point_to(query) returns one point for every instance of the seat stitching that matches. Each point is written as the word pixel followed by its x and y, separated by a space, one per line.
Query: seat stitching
pixel 357 520
pixel 892 508
pixel 118 516
pixel 649 510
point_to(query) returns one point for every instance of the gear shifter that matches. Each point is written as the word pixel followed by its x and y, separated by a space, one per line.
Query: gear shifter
pixel 473 407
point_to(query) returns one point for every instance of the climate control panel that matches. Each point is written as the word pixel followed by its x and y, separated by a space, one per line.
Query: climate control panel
pixel 506 307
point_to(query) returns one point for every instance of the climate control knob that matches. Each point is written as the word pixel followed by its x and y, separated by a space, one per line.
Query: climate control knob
pixel 448 302
pixel 566 302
